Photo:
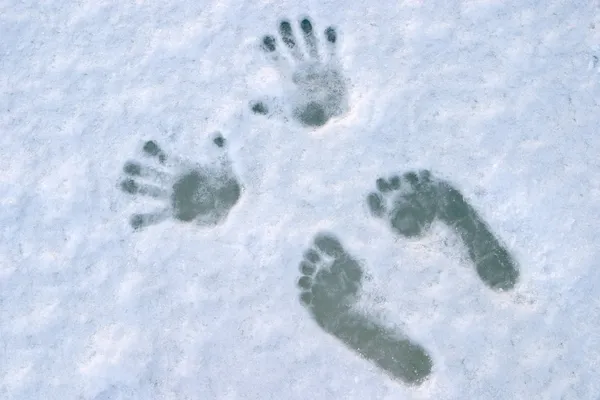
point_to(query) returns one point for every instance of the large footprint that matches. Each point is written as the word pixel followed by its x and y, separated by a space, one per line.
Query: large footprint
pixel 316 89
pixel 189 192
pixel 330 284
pixel 411 203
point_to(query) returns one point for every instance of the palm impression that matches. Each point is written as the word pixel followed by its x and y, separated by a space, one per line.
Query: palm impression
pixel 315 88
pixel 185 191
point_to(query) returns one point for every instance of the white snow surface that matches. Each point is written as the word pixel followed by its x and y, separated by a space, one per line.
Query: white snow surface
pixel 499 97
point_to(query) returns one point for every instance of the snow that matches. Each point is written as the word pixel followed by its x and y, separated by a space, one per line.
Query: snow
pixel 499 98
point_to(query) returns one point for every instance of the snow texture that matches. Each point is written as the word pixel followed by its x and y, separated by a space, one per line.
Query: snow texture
pixel 190 211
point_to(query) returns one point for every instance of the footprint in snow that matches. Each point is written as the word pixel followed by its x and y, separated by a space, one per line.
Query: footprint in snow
pixel 411 202
pixel 330 285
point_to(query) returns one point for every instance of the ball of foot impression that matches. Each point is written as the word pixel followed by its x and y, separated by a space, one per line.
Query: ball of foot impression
pixel 411 218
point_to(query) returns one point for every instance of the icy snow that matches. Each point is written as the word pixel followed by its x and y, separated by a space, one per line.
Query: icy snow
pixel 500 98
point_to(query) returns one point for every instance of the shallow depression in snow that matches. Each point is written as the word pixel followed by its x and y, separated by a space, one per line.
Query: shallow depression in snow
pixel 272 200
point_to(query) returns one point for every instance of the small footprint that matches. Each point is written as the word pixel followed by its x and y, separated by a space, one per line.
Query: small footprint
pixel 412 202
pixel 330 285
pixel 316 88
pixel 201 193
